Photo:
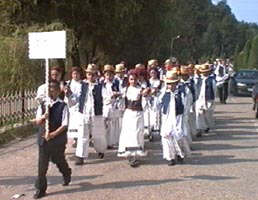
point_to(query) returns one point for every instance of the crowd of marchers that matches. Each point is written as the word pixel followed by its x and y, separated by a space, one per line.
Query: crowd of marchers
pixel 118 108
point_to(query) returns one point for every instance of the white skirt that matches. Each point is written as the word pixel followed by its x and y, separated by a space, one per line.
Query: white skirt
pixel 131 142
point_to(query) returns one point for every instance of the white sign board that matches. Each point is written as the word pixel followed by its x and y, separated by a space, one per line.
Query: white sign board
pixel 44 45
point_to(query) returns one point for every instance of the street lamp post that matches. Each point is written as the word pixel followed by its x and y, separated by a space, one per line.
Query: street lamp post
pixel 172 43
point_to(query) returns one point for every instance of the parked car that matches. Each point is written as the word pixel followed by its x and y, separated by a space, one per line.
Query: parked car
pixel 242 81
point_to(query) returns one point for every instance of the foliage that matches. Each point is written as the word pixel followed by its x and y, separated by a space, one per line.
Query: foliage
pixel 253 58
pixel 132 30
pixel 16 70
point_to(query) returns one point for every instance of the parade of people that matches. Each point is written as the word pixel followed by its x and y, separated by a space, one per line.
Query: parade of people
pixel 132 100
pixel 117 111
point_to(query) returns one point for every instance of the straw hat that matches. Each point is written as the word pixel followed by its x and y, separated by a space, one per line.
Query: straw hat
pixel 204 68
pixel 120 68
pixel 197 67
pixel 108 68
pixel 139 65
pixel 168 62
pixel 151 62
pixel 91 68
pixel 184 70
pixel 191 66
pixel 171 77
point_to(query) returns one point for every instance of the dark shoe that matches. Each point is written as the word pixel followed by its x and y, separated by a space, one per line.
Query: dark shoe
pixel 207 130
pixel 171 162
pixel 79 161
pixel 199 134
pixel 74 143
pixel 101 155
pixel 91 144
pixel 110 147
pixel 39 194
pixel 133 162
pixel 67 179
pixel 180 159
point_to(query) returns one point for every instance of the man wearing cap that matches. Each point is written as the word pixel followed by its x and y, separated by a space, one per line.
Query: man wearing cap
pixel 122 78
pixel 222 77
pixel 120 72
pixel 188 101
pixel 151 64
pixel 93 108
pixel 111 94
pixel 205 101
pixel 172 109
pixel 192 86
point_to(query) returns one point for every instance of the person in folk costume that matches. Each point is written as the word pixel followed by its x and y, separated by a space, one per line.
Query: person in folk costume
pixel 111 96
pixel 56 73
pixel 76 96
pixel 192 114
pixel 155 85
pixel 188 102
pixel 172 109
pixel 205 102
pixel 222 78
pixel 151 64
pixel 52 145
pixel 184 91
pixel 197 80
pixel 93 109
pixel 121 76
pixel 143 81
pixel 131 142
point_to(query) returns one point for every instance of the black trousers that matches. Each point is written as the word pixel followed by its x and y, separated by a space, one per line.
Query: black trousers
pixel 223 92
pixel 55 153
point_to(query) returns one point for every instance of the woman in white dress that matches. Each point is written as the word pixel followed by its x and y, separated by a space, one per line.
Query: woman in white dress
pixel 131 143
pixel 155 85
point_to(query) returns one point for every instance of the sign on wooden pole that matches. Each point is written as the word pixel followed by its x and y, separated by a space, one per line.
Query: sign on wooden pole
pixel 47 45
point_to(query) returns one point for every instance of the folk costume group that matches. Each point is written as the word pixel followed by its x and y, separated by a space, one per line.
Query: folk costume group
pixel 118 108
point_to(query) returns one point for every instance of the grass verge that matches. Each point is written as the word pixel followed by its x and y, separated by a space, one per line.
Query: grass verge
pixel 20 132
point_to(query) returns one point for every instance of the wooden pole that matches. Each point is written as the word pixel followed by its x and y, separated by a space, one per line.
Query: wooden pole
pixel 47 97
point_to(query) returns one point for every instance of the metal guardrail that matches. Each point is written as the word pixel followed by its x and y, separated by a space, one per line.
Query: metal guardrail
pixel 17 106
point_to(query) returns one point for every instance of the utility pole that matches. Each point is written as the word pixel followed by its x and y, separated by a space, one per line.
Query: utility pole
pixel 172 44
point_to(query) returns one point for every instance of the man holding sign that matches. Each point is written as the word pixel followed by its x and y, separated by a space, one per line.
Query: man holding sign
pixel 52 112
pixel 52 145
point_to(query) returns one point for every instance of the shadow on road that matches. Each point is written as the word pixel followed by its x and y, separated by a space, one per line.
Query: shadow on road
pixel 219 147
pixel 29 180
pixel 211 178
pixel 218 159
pixel 86 186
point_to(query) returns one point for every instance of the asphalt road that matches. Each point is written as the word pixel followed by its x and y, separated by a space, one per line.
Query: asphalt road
pixel 224 166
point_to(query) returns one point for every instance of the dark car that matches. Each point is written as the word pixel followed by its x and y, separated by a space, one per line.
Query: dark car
pixel 242 82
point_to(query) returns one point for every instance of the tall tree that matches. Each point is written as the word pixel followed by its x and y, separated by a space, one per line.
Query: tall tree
pixel 253 58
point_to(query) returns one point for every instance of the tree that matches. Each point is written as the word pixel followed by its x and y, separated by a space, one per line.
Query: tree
pixel 253 58
pixel 246 52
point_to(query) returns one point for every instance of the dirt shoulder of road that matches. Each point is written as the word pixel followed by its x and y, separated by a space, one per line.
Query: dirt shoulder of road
pixel 16 132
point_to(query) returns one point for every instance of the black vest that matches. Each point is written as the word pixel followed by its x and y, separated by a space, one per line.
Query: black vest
pixel 178 102
pixel 84 91
pixel 192 89
pixel 55 121
pixel 98 102
pixel 133 105
pixel 209 92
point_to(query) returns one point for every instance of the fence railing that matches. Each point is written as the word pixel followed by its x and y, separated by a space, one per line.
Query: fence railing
pixel 17 106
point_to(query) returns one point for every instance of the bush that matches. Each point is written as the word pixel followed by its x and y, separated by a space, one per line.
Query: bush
pixel 17 71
